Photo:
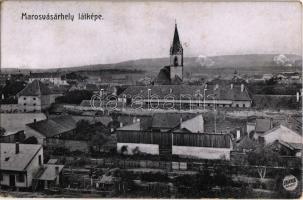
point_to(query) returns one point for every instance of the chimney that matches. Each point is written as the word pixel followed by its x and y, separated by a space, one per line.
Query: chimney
pixel 231 86
pixel 57 170
pixel 121 124
pixel 242 87
pixel 17 148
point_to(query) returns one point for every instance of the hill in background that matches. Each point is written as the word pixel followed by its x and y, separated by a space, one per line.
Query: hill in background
pixel 254 63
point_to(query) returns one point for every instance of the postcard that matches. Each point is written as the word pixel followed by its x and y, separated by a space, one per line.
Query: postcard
pixel 151 99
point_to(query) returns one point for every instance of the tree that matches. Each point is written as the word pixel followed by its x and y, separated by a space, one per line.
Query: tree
pixel 262 158
pixel 99 140
pixel 75 97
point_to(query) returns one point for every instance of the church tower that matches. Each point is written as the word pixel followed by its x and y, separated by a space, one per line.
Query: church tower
pixel 176 58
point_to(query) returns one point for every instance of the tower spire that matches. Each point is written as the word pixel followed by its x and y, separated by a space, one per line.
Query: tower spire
pixel 176 47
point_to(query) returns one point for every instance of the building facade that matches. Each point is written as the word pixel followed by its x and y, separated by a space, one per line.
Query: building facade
pixel 36 97
pixel 19 164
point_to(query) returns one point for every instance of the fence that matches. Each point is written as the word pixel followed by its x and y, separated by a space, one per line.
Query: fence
pixel 179 139
pixel 9 108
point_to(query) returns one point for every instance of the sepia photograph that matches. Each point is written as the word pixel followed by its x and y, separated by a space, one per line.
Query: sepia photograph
pixel 151 99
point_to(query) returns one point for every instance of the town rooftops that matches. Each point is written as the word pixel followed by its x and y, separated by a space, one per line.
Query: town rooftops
pixel 44 75
pixel 10 160
pixel 186 92
pixel 54 126
pixel 35 88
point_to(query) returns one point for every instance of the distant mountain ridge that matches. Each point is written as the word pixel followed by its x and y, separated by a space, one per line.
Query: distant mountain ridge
pixel 193 64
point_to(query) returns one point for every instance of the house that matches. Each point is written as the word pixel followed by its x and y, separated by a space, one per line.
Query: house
pixel 48 177
pixel 58 132
pixel 182 144
pixel 19 164
pixel 45 77
pixel 16 122
pixel 185 96
pixel 36 97
pixel 12 137
pixel 85 86
pixel 281 133
pixel 287 148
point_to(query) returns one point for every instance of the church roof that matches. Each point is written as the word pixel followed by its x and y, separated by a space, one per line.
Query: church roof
pixel 176 47
pixel 163 77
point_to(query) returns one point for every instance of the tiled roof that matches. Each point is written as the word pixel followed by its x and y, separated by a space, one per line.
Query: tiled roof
pixel 54 126
pixel 169 120
pixel 35 88
pixel 49 172
pixel 17 162
pixel 195 91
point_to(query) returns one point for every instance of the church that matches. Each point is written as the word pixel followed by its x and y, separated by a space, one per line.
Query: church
pixel 168 90
pixel 173 73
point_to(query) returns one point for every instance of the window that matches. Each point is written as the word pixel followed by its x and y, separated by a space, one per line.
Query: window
pixel 24 98
pixel 237 105
pixel 176 61
pixel 40 161
pixel 34 104
pixel 243 105
pixel 24 104
pixel 20 178
pixel 34 98
pixel 1 177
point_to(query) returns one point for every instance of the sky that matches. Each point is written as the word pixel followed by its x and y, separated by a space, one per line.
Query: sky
pixel 145 30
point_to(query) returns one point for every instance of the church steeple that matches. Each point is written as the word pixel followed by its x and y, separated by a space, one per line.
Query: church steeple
pixel 176 47
pixel 176 57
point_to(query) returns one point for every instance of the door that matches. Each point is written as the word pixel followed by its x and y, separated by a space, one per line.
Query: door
pixel 12 181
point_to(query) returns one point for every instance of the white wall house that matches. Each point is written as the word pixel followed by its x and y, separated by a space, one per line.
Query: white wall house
pixel 281 133
pixel 19 164
pixel 35 97
pixel 53 78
